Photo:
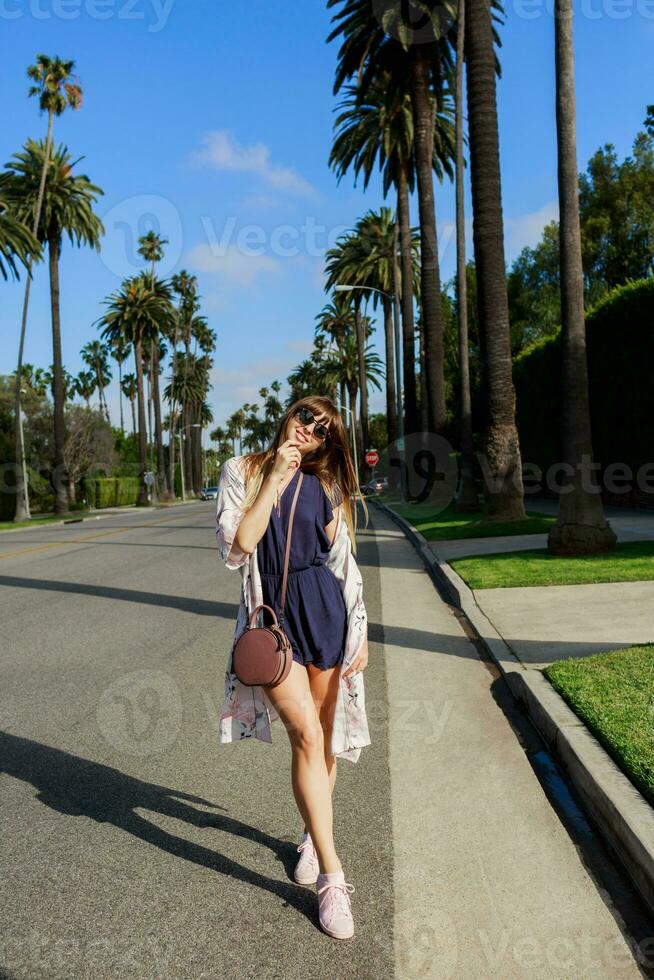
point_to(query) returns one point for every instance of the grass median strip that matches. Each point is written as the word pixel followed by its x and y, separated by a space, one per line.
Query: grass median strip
pixel 447 525
pixel 630 561
pixel 613 693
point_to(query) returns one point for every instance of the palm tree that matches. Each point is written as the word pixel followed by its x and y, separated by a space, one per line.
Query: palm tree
pixel 57 89
pixel 85 384
pixel 129 386
pixel 120 353
pixel 68 384
pixel 185 288
pixel 336 321
pixel 503 467
pixel 17 243
pixel 580 527
pixel 377 234
pixel 370 45
pixel 341 366
pixel 95 354
pixel 377 125
pixel 466 498
pixel 342 266
pixel 137 313
pixel 36 379
pixel 151 248
pixel 67 207
pixel 188 388
pixel 235 424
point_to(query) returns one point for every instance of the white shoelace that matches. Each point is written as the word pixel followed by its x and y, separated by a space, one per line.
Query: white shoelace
pixel 340 896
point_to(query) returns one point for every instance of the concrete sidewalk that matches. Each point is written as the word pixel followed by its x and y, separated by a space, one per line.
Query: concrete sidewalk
pixel 487 881
pixel 542 624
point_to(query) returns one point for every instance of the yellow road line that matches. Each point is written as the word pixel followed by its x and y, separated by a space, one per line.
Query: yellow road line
pixel 88 537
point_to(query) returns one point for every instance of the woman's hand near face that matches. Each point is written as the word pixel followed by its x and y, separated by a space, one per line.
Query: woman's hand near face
pixel 288 456
pixel 253 524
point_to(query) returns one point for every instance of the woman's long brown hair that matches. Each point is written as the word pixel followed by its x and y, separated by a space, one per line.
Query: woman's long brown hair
pixel 331 462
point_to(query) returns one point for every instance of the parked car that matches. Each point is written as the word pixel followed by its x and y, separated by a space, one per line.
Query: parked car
pixel 377 485
pixel 209 493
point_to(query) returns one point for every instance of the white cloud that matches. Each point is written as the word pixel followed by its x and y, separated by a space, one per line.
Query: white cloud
pixel 303 347
pixel 221 150
pixel 231 264
pixel 261 202
pixel 526 229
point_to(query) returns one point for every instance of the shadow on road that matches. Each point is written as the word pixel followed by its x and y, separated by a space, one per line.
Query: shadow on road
pixel 79 787
pixel 202 607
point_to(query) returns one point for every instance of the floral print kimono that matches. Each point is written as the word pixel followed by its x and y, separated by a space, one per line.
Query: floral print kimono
pixel 247 712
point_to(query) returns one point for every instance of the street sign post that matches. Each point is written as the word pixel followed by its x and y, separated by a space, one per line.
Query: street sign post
pixel 372 457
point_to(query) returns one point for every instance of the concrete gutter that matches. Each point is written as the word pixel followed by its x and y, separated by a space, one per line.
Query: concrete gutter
pixel 621 813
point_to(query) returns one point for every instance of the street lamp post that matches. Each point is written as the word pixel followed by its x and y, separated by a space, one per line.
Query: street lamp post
pixel 393 297
pixel 22 462
pixel 354 437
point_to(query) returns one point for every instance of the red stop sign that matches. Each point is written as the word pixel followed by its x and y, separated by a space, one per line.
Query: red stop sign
pixel 372 457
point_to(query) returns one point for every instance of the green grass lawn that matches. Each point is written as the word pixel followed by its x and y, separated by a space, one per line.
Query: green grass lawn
pixel 446 525
pixel 631 561
pixel 49 519
pixel 613 693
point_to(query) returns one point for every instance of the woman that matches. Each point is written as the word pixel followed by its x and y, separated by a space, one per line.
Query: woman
pixel 321 701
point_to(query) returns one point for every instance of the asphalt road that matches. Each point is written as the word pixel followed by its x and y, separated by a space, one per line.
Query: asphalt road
pixel 133 843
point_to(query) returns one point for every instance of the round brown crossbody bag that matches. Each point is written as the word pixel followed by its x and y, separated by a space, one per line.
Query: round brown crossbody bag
pixel 263 654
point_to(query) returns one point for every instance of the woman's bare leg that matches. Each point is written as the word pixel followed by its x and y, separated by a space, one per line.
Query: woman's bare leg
pixel 294 704
pixel 324 690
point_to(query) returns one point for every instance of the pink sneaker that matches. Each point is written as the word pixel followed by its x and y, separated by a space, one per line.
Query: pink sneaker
pixel 334 912
pixel 307 868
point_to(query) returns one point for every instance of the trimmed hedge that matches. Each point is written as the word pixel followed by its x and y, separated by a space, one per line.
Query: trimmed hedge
pixel 121 491
pixel 620 351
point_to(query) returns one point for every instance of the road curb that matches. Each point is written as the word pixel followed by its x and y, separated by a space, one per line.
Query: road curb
pixel 93 516
pixel 621 813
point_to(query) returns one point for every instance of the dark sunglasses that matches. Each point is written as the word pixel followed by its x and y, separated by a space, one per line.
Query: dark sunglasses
pixel 306 417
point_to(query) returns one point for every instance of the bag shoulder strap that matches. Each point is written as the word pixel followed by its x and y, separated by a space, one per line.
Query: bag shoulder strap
pixel 288 545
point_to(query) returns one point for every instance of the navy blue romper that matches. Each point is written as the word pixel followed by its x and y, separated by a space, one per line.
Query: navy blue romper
pixel 315 615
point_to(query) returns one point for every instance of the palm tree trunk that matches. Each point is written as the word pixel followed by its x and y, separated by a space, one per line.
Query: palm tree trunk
pixel 131 401
pixel 422 360
pixel 120 395
pixel 171 431
pixel 408 326
pixel 502 464
pixel 158 432
pixel 196 453
pixel 581 527
pixel 430 292
pixel 466 500
pixel 22 512
pixel 186 442
pixel 150 439
pixel 140 396
pixel 363 379
pixel 356 450
pixel 391 391
pixel 59 476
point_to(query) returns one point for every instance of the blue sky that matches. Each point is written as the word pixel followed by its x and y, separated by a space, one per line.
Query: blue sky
pixel 215 128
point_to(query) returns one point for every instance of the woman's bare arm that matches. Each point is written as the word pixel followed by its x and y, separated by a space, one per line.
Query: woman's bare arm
pixel 254 523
